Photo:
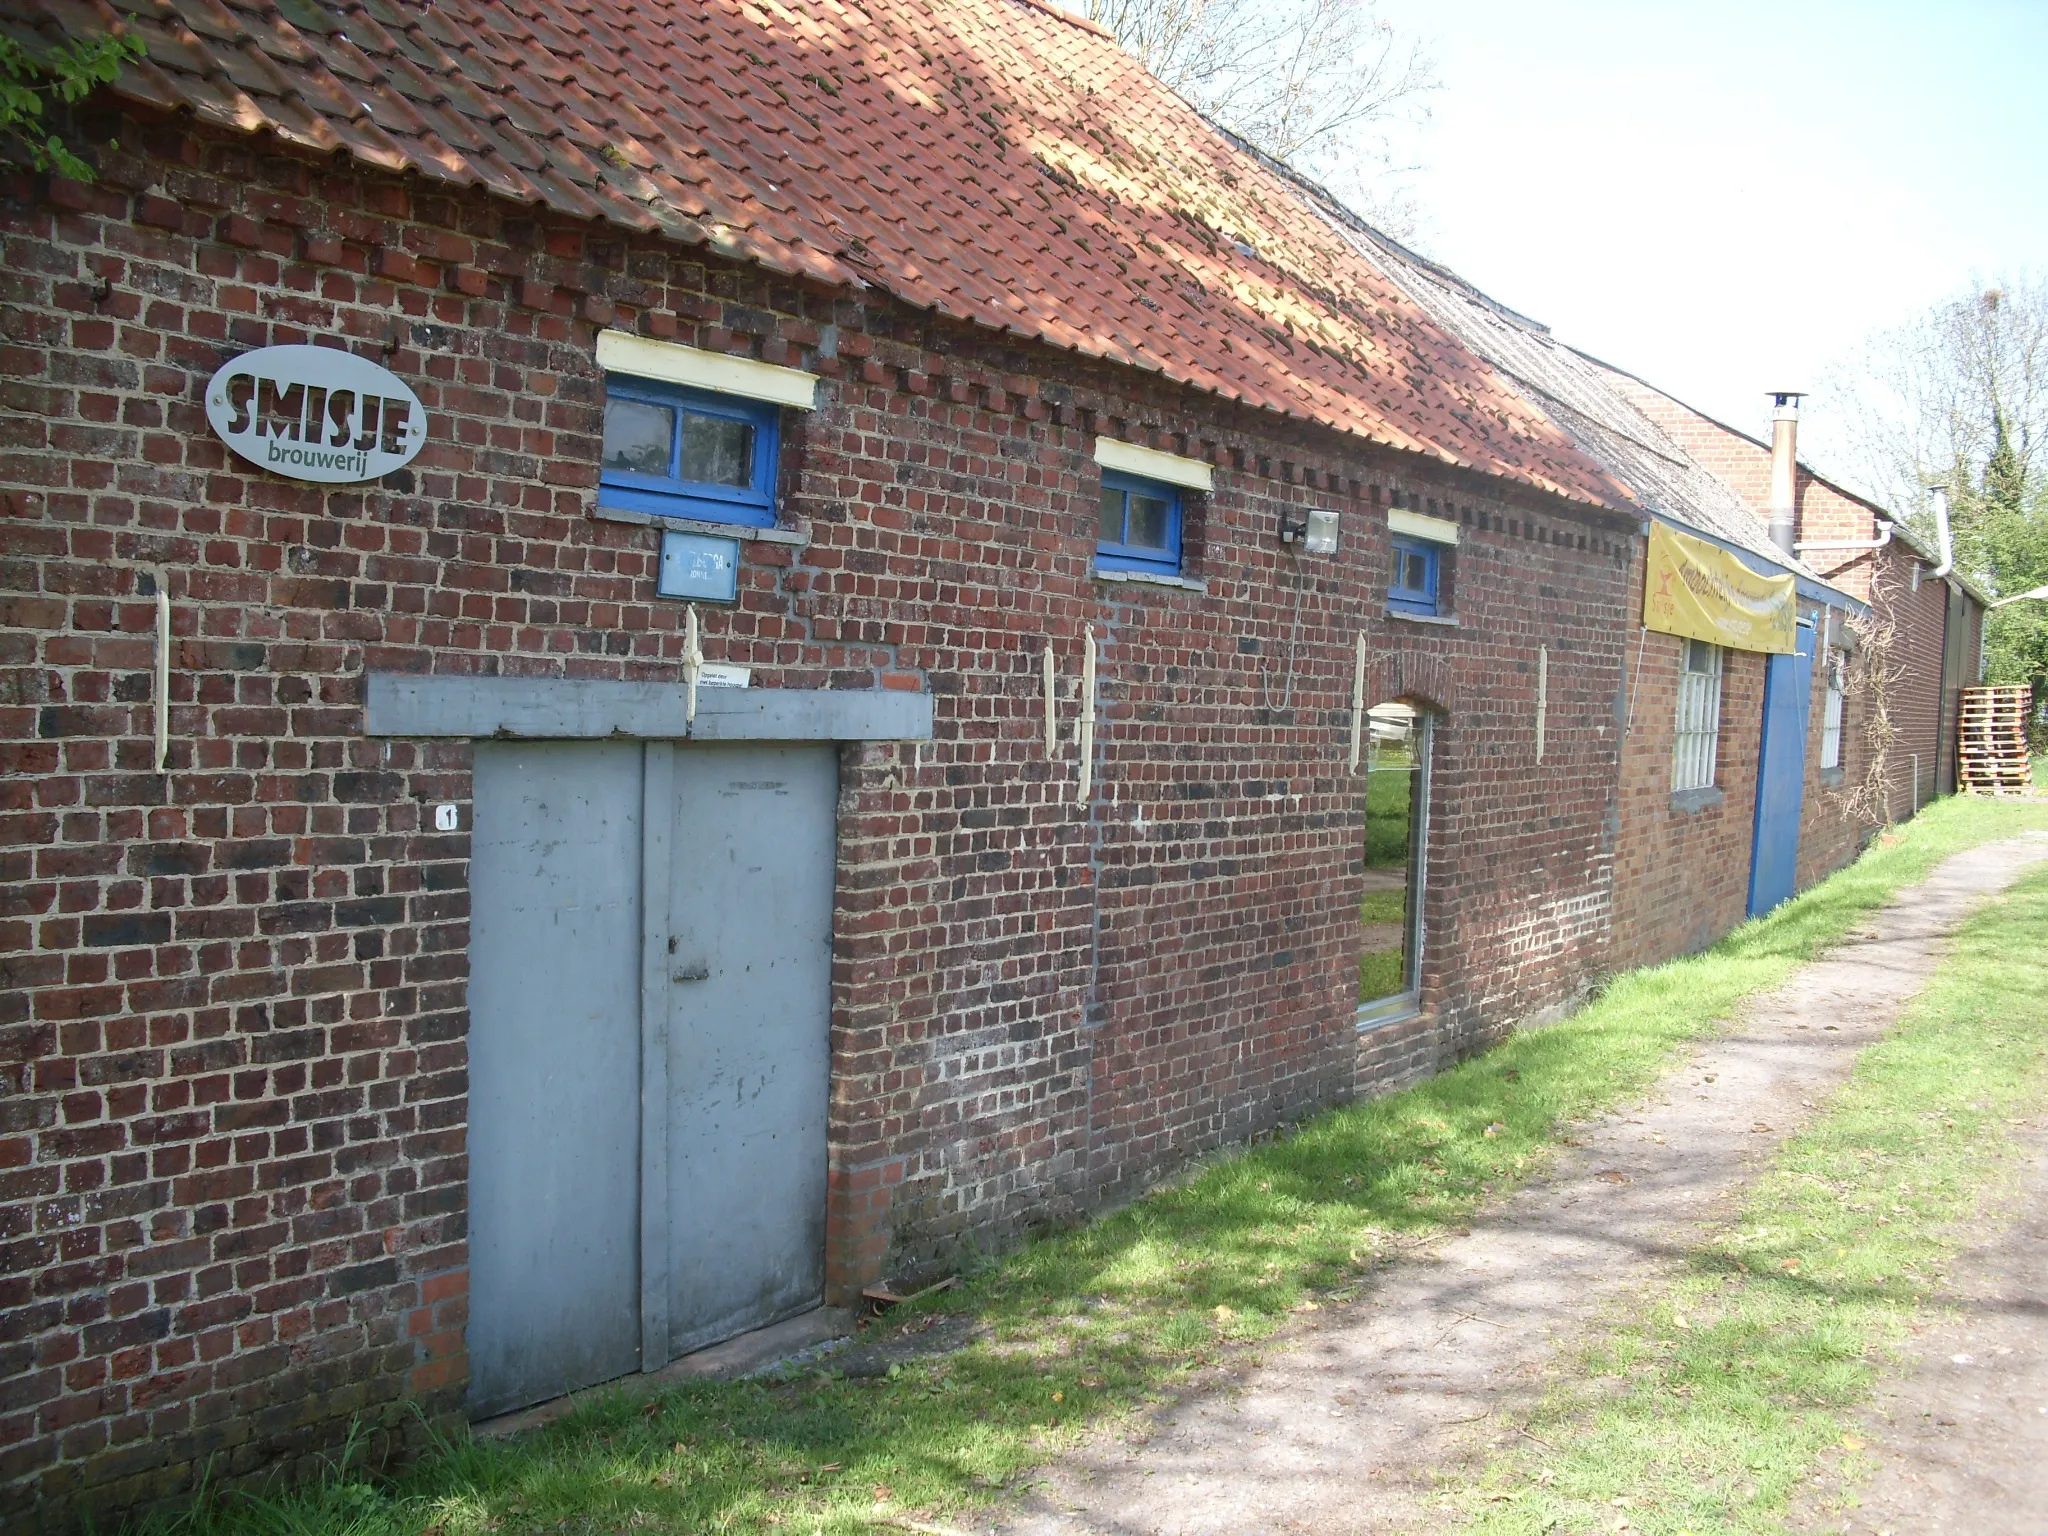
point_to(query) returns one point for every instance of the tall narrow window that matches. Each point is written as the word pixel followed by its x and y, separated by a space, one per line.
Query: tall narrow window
pixel 1831 710
pixel 1698 736
pixel 1140 529
pixel 1396 829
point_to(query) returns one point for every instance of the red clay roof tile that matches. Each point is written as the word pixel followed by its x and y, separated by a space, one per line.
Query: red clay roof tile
pixel 997 161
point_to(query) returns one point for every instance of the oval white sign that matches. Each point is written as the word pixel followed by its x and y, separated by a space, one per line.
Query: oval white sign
pixel 316 413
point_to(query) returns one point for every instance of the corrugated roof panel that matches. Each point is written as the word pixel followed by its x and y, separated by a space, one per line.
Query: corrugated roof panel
pixel 1658 474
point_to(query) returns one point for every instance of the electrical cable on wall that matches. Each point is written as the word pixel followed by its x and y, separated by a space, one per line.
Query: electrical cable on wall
pixel 1293 636
pixel 1542 695
pixel 1629 725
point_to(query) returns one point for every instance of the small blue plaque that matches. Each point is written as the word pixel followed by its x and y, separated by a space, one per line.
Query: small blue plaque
pixel 696 565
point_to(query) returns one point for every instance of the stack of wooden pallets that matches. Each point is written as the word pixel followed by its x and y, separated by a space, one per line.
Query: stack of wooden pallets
pixel 1992 741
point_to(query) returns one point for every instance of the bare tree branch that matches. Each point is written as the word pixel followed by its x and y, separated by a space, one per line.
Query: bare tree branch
pixel 1959 398
pixel 1920 405
pixel 1321 84
pixel 1874 676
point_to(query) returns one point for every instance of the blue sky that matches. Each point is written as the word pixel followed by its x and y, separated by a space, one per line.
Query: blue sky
pixel 1726 197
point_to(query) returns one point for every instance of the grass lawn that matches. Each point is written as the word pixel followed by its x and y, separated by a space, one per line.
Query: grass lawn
pixel 1701 1413
pixel 1383 907
pixel 1388 794
pixel 1379 974
pixel 1380 970
pixel 1088 1325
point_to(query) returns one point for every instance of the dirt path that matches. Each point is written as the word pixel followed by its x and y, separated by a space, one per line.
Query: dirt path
pixel 1347 1422
pixel 1961 1435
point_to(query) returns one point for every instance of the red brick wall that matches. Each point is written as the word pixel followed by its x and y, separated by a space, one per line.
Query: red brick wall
pixel 1917 621
pixel 1883 577
pixel 1682 873
pixel 1682 867
pixel 232 1174
pixel 1743 464
pixel 1919 618
pixel 1826 515
pixel 1738 462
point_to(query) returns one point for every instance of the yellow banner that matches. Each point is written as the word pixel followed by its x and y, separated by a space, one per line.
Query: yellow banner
pixel 1699 590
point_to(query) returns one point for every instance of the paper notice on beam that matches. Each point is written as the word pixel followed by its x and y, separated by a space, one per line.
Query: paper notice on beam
pixel 1699 590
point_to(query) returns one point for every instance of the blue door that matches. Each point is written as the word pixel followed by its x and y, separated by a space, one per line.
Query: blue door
pixel 1781 776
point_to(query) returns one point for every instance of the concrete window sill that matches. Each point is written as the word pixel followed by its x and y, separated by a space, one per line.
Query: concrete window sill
pixel 1830 777
pixel 1153 579
pixel 746 533
pixel 1442 620
pixel 1693 801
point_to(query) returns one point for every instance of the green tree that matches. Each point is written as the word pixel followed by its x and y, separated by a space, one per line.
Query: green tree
pixel 2016 638
pixel 1959 398
pixel 2005 539
pixel 29 82
pixel 2005 477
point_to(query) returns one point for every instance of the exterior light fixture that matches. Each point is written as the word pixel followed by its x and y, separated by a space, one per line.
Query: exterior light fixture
pixel 1315 530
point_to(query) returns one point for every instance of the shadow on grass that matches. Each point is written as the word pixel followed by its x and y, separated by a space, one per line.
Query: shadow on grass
pixel 1082 1327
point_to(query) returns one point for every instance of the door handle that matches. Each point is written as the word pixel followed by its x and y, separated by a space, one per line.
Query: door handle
pixel 701 971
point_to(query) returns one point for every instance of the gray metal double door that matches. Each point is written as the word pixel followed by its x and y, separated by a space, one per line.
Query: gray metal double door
pixel 649 1000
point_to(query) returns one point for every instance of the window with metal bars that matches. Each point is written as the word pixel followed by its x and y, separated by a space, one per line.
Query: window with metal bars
pixel 1695 744
pixel 1831 710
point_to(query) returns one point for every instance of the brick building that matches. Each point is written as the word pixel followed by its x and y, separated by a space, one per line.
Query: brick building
pixel 1936 623
pixel 1690 862
pixel 975 365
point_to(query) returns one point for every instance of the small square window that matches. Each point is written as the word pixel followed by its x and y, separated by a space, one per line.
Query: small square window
pixel 1418 567
pixel 1139 529
pixel 687 453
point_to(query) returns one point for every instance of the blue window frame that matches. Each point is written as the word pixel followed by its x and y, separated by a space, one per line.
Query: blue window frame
pixel 1413 588
pixel 1140 527
pixel 687 453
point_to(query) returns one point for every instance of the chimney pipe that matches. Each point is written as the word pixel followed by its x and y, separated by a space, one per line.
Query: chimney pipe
pixel 1785 468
